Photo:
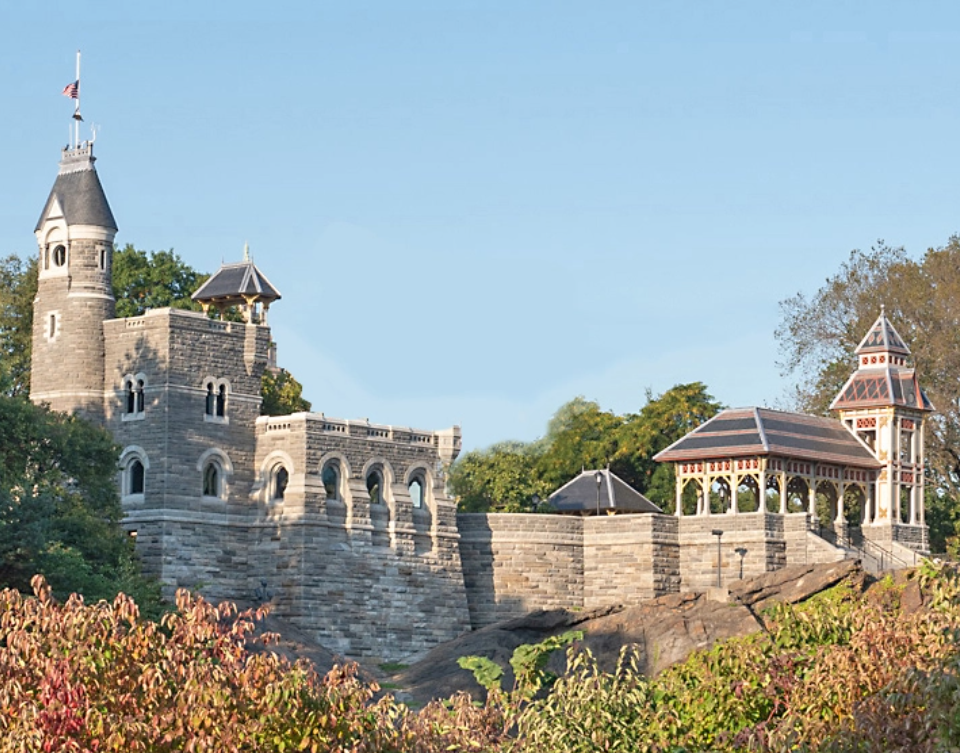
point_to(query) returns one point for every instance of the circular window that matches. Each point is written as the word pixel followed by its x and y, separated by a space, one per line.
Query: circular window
pixel 60 256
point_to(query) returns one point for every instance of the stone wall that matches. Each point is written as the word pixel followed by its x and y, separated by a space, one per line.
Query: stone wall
pixel 514 563
pixel 628 558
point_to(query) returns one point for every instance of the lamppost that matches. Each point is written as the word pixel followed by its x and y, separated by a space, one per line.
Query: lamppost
pixel 599 478
pixel 742 551
pixel 718 534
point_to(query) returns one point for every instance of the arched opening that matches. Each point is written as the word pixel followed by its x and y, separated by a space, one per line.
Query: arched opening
pixel 135 477
pixel 416 488
pixel 826 502
pixel 212 479
pixel 60 255
pixel 748 495
pixel 375 486
pixel 330 476
pixel 854 504
pixel 719 496
pixel 222 401
pixel 798 494
pixel 211 405
pixel 278 482
pixel 131 397
pixel 139 401
pixel 772 494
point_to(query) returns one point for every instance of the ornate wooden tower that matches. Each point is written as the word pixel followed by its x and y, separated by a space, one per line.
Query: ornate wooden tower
pixel 883 405
pixel 75 234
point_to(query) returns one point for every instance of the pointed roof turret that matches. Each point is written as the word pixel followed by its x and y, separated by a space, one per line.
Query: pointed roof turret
pixel 882 338
pixel 77 192
pixel 240 284
pixel 883 376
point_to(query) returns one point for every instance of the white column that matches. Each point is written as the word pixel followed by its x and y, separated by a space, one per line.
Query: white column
pixel 734 481
pixel 679 511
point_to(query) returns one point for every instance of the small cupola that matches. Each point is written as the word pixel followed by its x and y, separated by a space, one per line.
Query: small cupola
pixel 239 285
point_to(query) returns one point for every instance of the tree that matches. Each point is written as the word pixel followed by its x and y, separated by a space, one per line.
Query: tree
pixel 818 337
pixel 18 286
pixel 502 478
pixel 159 279
pixel 282 394
pixel 59 507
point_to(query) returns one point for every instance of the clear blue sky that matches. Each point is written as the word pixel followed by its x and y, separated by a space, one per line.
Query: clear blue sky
pixel 478 210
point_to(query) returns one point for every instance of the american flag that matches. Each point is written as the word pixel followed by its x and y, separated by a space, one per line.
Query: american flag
pixel 72 90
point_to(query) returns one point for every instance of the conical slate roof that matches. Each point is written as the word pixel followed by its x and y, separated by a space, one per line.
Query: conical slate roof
pixel 615 495
pixel 78 192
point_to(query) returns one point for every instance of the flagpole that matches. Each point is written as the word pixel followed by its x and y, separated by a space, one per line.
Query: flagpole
pixel 76 109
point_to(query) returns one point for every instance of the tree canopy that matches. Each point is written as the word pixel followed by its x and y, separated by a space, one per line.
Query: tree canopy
pixel 18 286
pixel 59 506
pixel 508 476
pixel 818 336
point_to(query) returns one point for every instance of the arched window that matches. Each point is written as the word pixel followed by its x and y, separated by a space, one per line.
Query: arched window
pixel 331 479
pixel 60 255
pixel 135 477
pixel 375 486
pixel 416 488
pixel 278 482
pixel 222 401
pixel 212 479
pixel 133 396
pixel 211 407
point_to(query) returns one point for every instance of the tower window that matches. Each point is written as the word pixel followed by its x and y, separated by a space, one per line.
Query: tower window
pixel 331 480
pixel 212 480
pixel 134 400
pixel 278 482
pixel 103 258
pixel 60 255
pixel 136 477
pixel 53 322
pixel 215 400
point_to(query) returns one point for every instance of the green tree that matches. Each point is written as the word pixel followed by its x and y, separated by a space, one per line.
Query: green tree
pixel 143 281
pixel 18 286
pixel 282 394
pixel 502 478
pixel 59 506
pixel 818 336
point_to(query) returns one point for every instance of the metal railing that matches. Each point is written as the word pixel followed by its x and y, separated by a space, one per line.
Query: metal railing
pixel 867 549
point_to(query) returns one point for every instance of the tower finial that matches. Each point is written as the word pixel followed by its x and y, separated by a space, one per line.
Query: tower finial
pixel 883 309
pixel 246 251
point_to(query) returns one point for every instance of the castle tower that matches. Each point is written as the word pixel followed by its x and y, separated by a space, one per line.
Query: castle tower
pixel 883 405
pixel 75 235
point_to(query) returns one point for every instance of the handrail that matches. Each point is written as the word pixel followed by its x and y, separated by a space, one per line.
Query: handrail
pixel 831 536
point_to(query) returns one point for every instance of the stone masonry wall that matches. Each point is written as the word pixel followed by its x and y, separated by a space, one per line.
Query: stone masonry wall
pixel 514 563
pixel 628 558
pixel 759 534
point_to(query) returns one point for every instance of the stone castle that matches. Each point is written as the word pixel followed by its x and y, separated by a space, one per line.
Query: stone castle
pixel 346 525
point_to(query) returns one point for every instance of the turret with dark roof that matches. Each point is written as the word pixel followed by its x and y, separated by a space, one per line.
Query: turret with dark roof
pixel 78 192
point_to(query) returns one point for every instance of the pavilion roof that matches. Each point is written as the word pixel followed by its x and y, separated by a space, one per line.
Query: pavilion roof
pixel 616 495
pixel 870 388
pixel 762 431
pixel 237 282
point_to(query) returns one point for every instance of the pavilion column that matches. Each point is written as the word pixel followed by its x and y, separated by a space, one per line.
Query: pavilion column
pixel 732 510
pixel 839 518
pixel 679 511
pixel 913 503
pixel 812 504
pixel 782 483
pixel 704 504
pixel 762 492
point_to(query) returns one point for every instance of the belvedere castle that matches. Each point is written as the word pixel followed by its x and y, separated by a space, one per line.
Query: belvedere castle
pixel 346 525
